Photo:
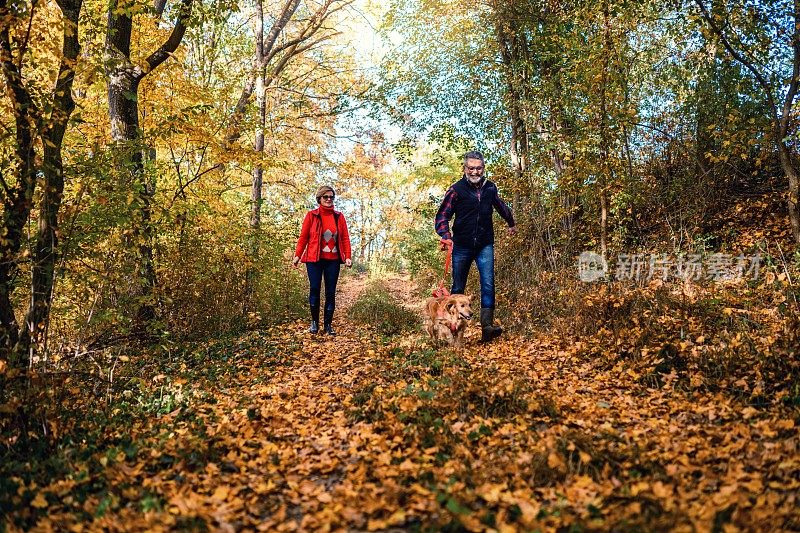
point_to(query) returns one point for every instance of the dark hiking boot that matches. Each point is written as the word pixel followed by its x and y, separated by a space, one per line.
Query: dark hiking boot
pixel 327 324
pixel 314 319
pixel 489 331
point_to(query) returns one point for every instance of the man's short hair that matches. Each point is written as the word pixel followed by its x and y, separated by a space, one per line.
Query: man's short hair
pixel 474 154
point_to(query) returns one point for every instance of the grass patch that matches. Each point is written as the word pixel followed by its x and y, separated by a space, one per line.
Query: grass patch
pixel 378 307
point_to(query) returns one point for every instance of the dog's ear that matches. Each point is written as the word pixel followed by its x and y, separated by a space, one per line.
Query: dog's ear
pixel 450 306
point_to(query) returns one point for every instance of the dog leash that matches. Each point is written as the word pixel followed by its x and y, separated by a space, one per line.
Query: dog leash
pixel 441 291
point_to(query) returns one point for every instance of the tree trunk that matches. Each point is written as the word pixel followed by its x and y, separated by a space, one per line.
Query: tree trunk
pixel 787 163
pixel 794 191
pixel 510 51
pixel 261 98
pixel 124 113
pixel 45 249
pixel 18 198
pixel 605 143
pixel 781 116
pixel 265 53
pixel 258 170
pixel 123 88
pixel 15 215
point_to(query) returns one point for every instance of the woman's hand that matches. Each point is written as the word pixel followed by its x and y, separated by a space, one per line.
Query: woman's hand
pixel 348 262
pixel 295 261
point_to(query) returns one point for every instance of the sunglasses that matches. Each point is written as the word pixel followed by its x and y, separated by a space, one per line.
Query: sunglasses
pixel 328 197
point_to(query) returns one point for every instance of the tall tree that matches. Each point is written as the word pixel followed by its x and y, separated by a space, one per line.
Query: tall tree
pixel 40 124
pixel 124 78
pixel 299 35
pixel 774 61
pixel 514 46
pixel 271 58
pixel 46 245
pixel 19 184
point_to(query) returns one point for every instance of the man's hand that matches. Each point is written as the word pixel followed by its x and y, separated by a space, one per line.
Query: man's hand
pixel 295 261
pixel 444 244
pixel 512 230
pixel 348 262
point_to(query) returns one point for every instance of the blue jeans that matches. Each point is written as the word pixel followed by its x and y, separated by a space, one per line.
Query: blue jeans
pixel 329 269
pixel 484 259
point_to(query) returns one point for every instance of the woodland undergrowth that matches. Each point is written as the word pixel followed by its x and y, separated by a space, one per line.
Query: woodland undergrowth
pixel 606 406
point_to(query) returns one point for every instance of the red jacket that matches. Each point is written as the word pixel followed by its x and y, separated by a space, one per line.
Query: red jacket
pixel 310 243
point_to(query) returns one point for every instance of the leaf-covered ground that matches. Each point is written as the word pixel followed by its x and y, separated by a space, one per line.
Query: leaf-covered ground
pixel 278 430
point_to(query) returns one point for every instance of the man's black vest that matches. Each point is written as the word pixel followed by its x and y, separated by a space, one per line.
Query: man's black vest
pixel 473 207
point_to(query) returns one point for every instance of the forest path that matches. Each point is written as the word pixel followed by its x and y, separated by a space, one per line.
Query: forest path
pixel 400 286
pixel 280 430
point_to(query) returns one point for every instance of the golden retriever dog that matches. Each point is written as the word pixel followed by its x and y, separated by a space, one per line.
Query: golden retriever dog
pixel 446 318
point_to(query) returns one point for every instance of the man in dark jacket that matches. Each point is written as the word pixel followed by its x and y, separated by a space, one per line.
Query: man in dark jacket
pixel 472 200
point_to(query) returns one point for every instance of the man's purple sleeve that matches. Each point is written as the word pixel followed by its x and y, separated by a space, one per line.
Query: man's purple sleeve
pixel 445 213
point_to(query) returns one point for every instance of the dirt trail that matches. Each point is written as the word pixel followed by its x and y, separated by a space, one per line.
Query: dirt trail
pixel 400 286
pixel 286 431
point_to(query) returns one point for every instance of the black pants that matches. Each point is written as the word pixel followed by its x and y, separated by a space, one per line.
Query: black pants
pixel 328 269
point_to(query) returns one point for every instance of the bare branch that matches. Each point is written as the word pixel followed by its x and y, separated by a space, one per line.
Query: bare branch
pixel 315 24
pixel 24 45
pixel 321 132
pixel 788 101
pixel 276 29
pixel 174 40
pixel 177 164
pixel 289 55
pixel 238 110
pixel 287 50
pixel 6 191
pixel 765 86
pixel 159 6
pixel 196 177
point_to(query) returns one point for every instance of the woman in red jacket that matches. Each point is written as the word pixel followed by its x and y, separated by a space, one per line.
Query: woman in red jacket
pixel 323 246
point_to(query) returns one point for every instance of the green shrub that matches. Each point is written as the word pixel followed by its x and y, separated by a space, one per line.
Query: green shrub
pixel 379 308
